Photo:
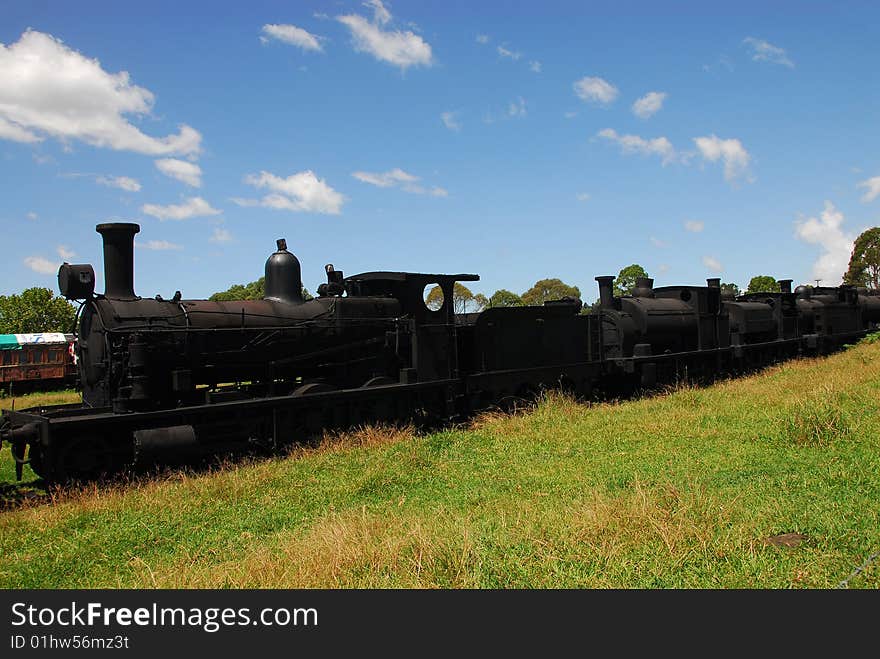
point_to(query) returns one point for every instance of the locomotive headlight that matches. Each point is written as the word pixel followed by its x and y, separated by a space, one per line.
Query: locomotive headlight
pixel 76 282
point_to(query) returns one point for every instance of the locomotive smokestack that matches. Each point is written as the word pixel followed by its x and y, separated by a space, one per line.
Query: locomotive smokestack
pixel 784 285
pixel 606 291
pixel 644 287
pixel 283 276
pixel 118 259
pixel 713 282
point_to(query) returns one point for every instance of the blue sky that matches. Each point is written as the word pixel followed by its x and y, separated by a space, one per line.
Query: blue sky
pixel 518 141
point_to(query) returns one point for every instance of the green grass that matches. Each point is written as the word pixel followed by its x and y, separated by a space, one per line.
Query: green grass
pixel 770 481
pixel 38 398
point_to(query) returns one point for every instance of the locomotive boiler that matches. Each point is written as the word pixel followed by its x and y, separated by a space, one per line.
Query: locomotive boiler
pixel 151 353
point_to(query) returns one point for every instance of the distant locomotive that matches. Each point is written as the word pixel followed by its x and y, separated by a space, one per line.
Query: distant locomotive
pixel 172 380
pixel 34 361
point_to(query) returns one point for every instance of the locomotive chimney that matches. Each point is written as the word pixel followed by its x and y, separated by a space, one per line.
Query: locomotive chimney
pixel 283 276
pixel 606 291
pixel 644 287
pixel 118 259
pixel 784 285
pixel 713 282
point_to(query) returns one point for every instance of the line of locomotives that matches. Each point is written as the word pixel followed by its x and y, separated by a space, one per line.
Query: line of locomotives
pixel 171 380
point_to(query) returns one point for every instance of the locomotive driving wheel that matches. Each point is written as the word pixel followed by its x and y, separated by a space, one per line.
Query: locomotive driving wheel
pixel 83 459
pixel 380 408
pixel 312 388
pixel 379 381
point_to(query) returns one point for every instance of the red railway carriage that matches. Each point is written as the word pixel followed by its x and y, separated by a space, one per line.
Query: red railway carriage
pixel 36 361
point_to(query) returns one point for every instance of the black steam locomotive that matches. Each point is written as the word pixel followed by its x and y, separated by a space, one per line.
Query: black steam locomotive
pixel 168 381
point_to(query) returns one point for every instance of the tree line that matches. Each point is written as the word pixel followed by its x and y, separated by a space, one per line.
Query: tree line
pixel 38 309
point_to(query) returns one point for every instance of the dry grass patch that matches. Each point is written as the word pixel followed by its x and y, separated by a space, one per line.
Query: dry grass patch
pixel 508 543
pixel 363 436
pixel 818 419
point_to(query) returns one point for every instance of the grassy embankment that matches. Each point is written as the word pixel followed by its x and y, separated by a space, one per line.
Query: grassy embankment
pixel 770 481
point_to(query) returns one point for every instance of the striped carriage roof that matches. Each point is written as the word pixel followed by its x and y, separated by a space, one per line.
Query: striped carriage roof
pixel 16 341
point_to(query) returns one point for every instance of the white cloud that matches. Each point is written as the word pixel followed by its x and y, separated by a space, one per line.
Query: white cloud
pixel 595 90
pixel 763 51
pixel 583 196
pixel 42 265
pixel 656 242
pixel 397 177
pixel 292 35
pixel 694 226
pixel 724 62
pixel 873 189
pixel 32 216
pixel 220 235
pixel 663 267
pixel 65 252
pixel 731 152
pixel 387 179
pixel 658 146
pixel 122 182
pixel 16 133
pixel 188 172
pixel 380 14
pixel 483 38
pixel 302 192
pixel 159 245
pixel 649 104
pixel 517 108
pixel 712 263
pixel 535 66
pixel 570 114
pixel 193 207
pixel 450 121
pixel 836 245
pixel 403 49
pixel 48 89
pixel 504 52
pixel 245 203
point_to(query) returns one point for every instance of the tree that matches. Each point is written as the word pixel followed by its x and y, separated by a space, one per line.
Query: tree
pixel 254 290
pixel 595 307
pixel 864 263
pixel 549 289
pixel 626 279
pixel 730 288
pixel 763 284
pixel 463 299
pixel 35 310
pixel 504 298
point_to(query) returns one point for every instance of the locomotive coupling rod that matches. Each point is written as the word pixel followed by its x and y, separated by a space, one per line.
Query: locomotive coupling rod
pixel 19 438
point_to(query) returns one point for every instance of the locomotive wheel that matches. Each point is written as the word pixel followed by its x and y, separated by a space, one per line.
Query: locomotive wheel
pixel 83 459
pixel 377 382
pixel 376 409
pixel 312 388
pixel 35 457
